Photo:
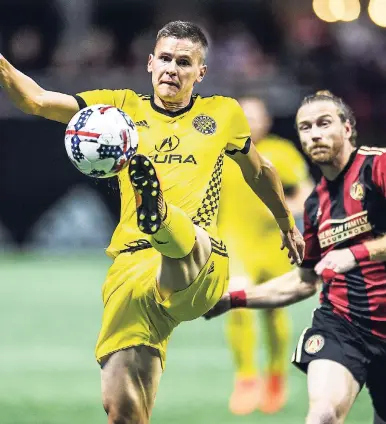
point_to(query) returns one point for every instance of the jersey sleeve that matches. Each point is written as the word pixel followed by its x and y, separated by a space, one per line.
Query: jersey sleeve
pixel 117 98
pixel 239 133
pixel 379 173
pixel 312 253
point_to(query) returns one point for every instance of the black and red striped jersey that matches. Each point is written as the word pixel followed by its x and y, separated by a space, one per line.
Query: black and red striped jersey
pixel 342 213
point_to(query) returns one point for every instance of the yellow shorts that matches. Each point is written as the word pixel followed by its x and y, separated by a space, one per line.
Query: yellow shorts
pixel 260 261
pixel 134 313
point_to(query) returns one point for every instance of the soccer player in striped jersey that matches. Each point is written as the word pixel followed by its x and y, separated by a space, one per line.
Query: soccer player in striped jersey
pixel 345 227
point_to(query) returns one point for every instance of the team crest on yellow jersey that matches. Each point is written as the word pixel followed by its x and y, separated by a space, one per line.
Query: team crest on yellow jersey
pixel 357 191
pixel 205 124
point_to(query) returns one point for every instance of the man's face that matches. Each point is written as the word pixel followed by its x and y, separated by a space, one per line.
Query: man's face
pixel 321 131
pixel 177 64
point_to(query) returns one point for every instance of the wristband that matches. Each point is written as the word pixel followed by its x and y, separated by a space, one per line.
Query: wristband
pixel 360 252
pixel 238 299
pixel 286 224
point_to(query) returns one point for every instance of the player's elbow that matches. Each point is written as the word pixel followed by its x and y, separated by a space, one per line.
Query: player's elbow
pixel 308 290
pixel 30 106
pixel 35 104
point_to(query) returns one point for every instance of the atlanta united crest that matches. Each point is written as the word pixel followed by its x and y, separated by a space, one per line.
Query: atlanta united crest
pixel 204 124
pixel 357 191
pixel 314 344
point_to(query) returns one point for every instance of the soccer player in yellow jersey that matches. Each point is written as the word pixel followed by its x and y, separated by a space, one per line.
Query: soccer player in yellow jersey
pixel 169 265
pixel 254 257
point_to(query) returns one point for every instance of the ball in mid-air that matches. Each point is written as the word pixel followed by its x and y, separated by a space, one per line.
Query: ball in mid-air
pixel 100 140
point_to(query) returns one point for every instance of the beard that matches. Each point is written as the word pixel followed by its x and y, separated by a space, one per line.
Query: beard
pixel 322 155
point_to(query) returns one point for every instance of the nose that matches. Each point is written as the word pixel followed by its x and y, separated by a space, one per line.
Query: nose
pixel 171 68
pixel 316 133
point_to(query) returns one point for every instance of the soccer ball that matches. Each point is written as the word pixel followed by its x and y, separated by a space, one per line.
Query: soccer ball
pixel 100 140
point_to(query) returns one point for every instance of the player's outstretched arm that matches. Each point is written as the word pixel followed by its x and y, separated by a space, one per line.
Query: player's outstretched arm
pixel 30 98
pixel 296 285
pixel 264 180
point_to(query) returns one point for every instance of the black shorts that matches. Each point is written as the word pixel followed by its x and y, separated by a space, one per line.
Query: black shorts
pixel 335 338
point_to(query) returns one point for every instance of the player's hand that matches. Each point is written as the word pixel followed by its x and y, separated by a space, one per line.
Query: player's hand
pixel 338 261
pixel 223 305
pixel 294 242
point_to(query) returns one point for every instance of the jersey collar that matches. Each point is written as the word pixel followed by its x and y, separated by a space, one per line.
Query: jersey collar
pixel 345 169
pixel 168 112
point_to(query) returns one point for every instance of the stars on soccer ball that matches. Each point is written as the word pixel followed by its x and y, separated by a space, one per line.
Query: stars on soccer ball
pixel 83 119
pixel 76 153
pixel 109 151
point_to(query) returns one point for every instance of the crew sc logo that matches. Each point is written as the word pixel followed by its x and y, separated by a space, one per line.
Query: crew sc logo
pixel 168 144
pixel 204 124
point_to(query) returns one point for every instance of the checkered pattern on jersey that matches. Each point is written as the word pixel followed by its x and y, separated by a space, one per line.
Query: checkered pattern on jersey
pixel 210 202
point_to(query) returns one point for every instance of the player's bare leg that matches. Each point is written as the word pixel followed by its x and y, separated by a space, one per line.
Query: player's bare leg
pixel 332 390
pixel 130 380
pixel 185 248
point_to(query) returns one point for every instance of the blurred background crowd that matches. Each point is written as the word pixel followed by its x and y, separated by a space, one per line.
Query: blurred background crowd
pixel 55 222
pixel 276 50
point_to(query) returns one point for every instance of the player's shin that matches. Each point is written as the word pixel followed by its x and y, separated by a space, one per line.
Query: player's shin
pixel 241 335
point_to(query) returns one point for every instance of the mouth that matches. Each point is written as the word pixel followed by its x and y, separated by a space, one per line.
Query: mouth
pixel 170 84
pixel 319 149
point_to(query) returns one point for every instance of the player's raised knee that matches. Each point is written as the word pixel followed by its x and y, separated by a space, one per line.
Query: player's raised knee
pixel 128 411
pixel 322 412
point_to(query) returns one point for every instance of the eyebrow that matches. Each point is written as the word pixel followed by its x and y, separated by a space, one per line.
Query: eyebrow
pixel 326 115
pixel 183 56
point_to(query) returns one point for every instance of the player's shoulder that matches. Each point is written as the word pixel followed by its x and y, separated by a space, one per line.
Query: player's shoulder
pixel 371 151
pixel 378 154
pixel 219 101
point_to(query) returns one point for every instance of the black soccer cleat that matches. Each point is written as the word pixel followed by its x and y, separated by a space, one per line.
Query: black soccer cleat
pixel 151 209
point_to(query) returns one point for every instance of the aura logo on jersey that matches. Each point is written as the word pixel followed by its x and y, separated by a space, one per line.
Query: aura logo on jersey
pixel 204 124
pixel 168 144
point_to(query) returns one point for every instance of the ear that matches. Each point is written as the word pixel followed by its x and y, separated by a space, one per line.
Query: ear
pixel 347 129
pixel 149 63
pixel 203 69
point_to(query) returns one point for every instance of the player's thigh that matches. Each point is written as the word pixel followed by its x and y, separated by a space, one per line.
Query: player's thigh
pixel 203 293
pixel 335 357
pixel 331 384
pixel 177 274
pixel 129 381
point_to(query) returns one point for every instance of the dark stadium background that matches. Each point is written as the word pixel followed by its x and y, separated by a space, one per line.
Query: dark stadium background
pixel 55 222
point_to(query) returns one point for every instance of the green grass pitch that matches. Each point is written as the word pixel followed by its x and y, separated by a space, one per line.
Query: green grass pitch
pixel 50 311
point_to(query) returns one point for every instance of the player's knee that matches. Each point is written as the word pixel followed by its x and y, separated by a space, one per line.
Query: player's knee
pixel 125 411
pixel 322 412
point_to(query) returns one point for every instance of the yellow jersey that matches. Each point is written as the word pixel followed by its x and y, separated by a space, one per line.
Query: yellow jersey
pixel 187 148
pixel 245 224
